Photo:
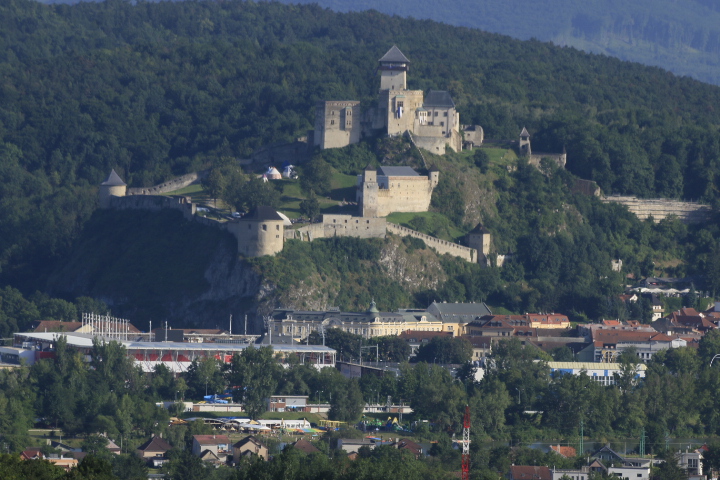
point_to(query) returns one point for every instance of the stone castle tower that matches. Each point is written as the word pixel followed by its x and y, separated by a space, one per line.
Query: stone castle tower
pixel 112 187
pixel 383 191
pixel 260 232
pixel 432 120
pixel 525 149
pixel 480 239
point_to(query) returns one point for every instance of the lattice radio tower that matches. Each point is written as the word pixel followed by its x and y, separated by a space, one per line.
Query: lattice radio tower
pixel 466 445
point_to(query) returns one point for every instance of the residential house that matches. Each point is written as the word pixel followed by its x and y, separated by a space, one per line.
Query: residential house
pixel 573 474
pixel 691 462
pixel 565 452
pixel 218 445
pixel 608 456
pixel 522 472
pixel 248 447
pixel 306 447
pixel 154 451
pixel 630 473
pixel 409 445
pixel 352 445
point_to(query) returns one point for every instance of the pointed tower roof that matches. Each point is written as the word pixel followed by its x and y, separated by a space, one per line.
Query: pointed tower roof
pixel 394 55
pixel 479 229
pixel 113 180
pixel 369 168
pixel 434 168
pixel 524 133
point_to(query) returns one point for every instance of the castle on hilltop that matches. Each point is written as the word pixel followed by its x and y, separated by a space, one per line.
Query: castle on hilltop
pixel 432 121
pixel 525 150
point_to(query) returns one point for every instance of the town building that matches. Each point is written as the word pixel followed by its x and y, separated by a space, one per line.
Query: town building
pixel 524 472
pixel 176 356
pixel 607 345
pixel 154 451
pixel 217 445
pixel 602 373
pixel 287 403
pixel 385 190
pixel 371 323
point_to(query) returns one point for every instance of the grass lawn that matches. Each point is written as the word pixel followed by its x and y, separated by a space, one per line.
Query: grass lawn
pixel 189 190
pixel 438 224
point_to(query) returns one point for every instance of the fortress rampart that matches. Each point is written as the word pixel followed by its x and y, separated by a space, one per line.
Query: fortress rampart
pixel 169 186
pixel 659 208
pixel 441 246
pixel 155 203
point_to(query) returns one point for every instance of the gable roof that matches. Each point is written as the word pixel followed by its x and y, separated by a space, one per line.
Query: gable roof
pixel 251 439
pixel 521 472
pixel 438 98
pixel 155 444
pixel 567 452
pixel 305 446
pixel 479 229
pixel 55 326
pixel 447 312
pixel 113 180
pixel 394 55
pixel 524 133
pixel 211 439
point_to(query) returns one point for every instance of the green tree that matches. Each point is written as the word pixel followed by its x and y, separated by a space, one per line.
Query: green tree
pixel 316 176
pixel 255 374
pixel 310 207
pixel 347 402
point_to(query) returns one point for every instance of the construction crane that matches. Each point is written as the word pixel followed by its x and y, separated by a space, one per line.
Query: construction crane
pixel 466 445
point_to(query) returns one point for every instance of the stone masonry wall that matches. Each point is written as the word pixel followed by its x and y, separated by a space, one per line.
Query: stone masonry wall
pixel 441 246
pixel 169 186
pixel 155 203
pixel 687 212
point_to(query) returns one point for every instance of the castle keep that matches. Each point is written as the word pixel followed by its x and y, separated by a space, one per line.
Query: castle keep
pixel 394 189
pixel 433 121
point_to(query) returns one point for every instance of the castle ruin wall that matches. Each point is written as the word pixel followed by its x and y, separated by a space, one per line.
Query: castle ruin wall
pixel 169 186
pixel 659 209
pixel 441 246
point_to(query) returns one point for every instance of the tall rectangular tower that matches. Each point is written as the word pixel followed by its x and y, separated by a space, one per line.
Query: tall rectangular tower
pixel 393 70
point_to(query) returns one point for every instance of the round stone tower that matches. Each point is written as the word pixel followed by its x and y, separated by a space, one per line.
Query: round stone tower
pixel 112 187
pixel 260 232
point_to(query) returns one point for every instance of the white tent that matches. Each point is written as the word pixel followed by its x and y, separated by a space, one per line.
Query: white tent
pixel 273 174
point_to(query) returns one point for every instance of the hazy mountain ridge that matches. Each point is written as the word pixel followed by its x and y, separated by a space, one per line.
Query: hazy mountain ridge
pixel 683 37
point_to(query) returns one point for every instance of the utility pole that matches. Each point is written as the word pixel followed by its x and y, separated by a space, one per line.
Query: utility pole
pixel 230 324
pixel 466 445
pixel 246 324
pixel 642 443
pixel 582 433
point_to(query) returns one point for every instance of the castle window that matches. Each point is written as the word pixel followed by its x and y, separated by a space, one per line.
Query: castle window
pixel 277 236
pixel 436 114
pixel 367 221
pixel 264 228
pixel 334 220
pixel 357 221
pixel 332 122
pixel 345 221
pixel 442 124
pixel 277 227
pixel 445 114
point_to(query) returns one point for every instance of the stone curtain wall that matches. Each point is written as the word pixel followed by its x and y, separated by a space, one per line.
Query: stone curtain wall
pixel 154 203
pixel 170 185
pixel 441 246
pixel 659 208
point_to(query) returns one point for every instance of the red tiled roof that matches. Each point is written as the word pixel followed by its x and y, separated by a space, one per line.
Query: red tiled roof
pixel 305 446
pixel 56 326
pixel 520 472
pixel 567 452
pixel 211 439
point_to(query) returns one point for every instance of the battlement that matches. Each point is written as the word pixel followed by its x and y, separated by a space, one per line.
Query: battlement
pixel 154 203
pixel 169 186
pixel 441 246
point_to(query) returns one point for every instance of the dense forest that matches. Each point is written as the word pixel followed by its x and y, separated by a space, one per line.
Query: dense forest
pixel 682 37
pixel 160 89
